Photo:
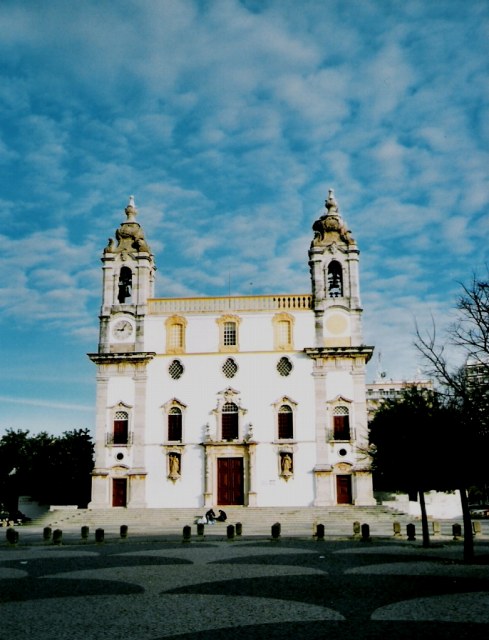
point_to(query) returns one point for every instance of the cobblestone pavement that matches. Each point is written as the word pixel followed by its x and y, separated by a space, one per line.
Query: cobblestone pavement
pixel 151 589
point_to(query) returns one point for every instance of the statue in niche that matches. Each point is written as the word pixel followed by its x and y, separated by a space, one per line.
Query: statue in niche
pixel 174 465
pixel 286 464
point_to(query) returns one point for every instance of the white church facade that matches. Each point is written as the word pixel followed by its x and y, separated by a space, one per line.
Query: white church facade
pixel 235 400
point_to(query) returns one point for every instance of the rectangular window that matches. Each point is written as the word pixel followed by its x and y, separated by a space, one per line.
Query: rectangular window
pixel 341 427
pixel 229 336
pixel 176 336
pixel 230 429
pixel 121 432
pixel 175 427
pixel 284 333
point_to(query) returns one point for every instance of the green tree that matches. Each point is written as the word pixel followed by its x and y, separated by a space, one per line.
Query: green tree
pixel 51 469
pixel 408 439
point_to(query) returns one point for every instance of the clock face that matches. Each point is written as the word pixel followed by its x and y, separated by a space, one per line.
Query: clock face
pixel 122 330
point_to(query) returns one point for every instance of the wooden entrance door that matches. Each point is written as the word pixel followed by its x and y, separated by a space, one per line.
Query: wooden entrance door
pixel 119 492
pixel 343 490
pixel 230 481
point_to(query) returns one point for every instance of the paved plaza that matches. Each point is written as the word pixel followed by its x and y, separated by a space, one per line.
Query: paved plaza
pixel 146 589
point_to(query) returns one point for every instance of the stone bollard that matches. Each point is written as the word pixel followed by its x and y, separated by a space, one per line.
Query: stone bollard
pixel 411 532
pixel 200 528
pixel 99 535
pixel 356 529
pixel 239 528
pixel 276 528
pixel 84 533
pixel 397 529
pixel 230 531
pixel 123 530
pixel 476 527
pixel 320 532
pixel 436 528
pixel 57 536
pixel 365 533
pixel 12 536
pixel 457 531
pixel 46 533
pixel 187 533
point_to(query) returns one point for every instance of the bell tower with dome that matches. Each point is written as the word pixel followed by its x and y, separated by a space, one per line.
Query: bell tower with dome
pixel 339 358
pixel 128 283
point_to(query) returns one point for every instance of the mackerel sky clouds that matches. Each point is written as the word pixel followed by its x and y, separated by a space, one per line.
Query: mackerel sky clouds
pixel 229 120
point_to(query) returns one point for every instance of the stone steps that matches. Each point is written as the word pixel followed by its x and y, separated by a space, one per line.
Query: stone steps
pixel 338 520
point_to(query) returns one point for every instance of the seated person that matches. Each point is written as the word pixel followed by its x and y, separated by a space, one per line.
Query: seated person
pixel 222 517
pixel 211 516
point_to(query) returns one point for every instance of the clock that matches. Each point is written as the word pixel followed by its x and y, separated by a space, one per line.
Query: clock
pixel 122 330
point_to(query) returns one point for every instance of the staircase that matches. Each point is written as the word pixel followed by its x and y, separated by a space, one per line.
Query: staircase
pixel 256 521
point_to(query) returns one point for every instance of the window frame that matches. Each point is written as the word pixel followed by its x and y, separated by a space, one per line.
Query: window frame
pixel 168 408
pixel 170 324
pixel 222 322
pixel 279 343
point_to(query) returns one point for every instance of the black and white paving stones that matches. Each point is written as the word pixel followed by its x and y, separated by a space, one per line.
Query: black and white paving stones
pixel 290 589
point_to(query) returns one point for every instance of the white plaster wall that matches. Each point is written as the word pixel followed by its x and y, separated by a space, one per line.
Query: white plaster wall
pixel 259 386
pixel 255 331
pixel 438 505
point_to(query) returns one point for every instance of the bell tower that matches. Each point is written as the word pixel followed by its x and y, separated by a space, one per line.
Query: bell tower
pixel 119 475
pixel 342 473
pixel 128 282
pixel 333 261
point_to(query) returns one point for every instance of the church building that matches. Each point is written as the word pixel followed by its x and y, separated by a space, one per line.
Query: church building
pixel 253 400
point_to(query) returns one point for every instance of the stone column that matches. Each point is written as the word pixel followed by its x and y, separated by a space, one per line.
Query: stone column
pixel 208 484
pixel 252 474
pixel 100 483
pixel 137 494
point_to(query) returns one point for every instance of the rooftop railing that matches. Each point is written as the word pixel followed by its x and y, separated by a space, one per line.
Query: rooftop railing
pixel 293 302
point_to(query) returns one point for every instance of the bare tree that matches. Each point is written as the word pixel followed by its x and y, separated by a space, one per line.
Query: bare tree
pixel 465 387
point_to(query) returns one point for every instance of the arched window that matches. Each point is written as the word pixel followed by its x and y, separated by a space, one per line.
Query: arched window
pixel 285 423
pixel 341 423
pixel 125 285
pixel 175 424
pixel 335 279
pixel 121 428
pixel 229 421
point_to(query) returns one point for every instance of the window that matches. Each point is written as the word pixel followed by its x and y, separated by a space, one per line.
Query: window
pixel 335 279
pixel 228 333
pixel 341 423
pixel 229 421
pixel 175 424
pixel 121 428
pixel 283 331
pixel 230 368
pixel 175 334
pixel 284 366
pixel 176 369
pixel 285 423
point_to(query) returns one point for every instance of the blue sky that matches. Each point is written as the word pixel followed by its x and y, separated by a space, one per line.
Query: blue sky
pixel 229 120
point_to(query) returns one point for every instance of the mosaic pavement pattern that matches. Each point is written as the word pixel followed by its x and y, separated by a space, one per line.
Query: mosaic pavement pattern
pixel 259 589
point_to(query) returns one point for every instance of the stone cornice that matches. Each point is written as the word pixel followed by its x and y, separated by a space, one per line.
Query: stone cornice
pixel 141 357
pixel 335 352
